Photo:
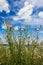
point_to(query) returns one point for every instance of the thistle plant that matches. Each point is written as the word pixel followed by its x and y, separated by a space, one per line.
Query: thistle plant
pixel 18 52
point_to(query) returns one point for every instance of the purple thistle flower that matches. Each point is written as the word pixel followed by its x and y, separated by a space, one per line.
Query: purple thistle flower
pixel 11 27
pixel 3 21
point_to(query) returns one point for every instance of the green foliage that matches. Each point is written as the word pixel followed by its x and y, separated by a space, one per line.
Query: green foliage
pixel 18 53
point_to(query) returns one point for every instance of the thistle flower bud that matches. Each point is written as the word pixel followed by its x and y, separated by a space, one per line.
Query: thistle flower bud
pixel 11 27
pixel 3 21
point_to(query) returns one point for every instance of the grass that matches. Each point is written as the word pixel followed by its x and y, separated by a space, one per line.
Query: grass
pixel 17 52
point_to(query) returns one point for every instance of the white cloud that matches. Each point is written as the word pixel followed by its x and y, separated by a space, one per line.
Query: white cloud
pixel 40 14
pixel 28 21
pixel 27 9
pixel 4 26
pixel 41 32
pixel 25 12
pixel 16 28
pixel 37 3
pixel 4 6
pixel 36 21
pixel 15 18
pixel 3 39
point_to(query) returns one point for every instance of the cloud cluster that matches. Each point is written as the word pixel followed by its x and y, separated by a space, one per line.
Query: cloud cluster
pixel 16 5
pixel 37 21
pixel 25 12
pixel 4 26
pixel 41 32
pixel 4 6
pixel 37 3
pixel 40 14
pixel 26 9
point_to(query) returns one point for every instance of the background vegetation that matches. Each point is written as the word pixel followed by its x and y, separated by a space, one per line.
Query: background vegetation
pixel 19 51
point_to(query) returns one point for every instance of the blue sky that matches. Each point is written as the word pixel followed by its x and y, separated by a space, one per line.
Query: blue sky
pixel 21 12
